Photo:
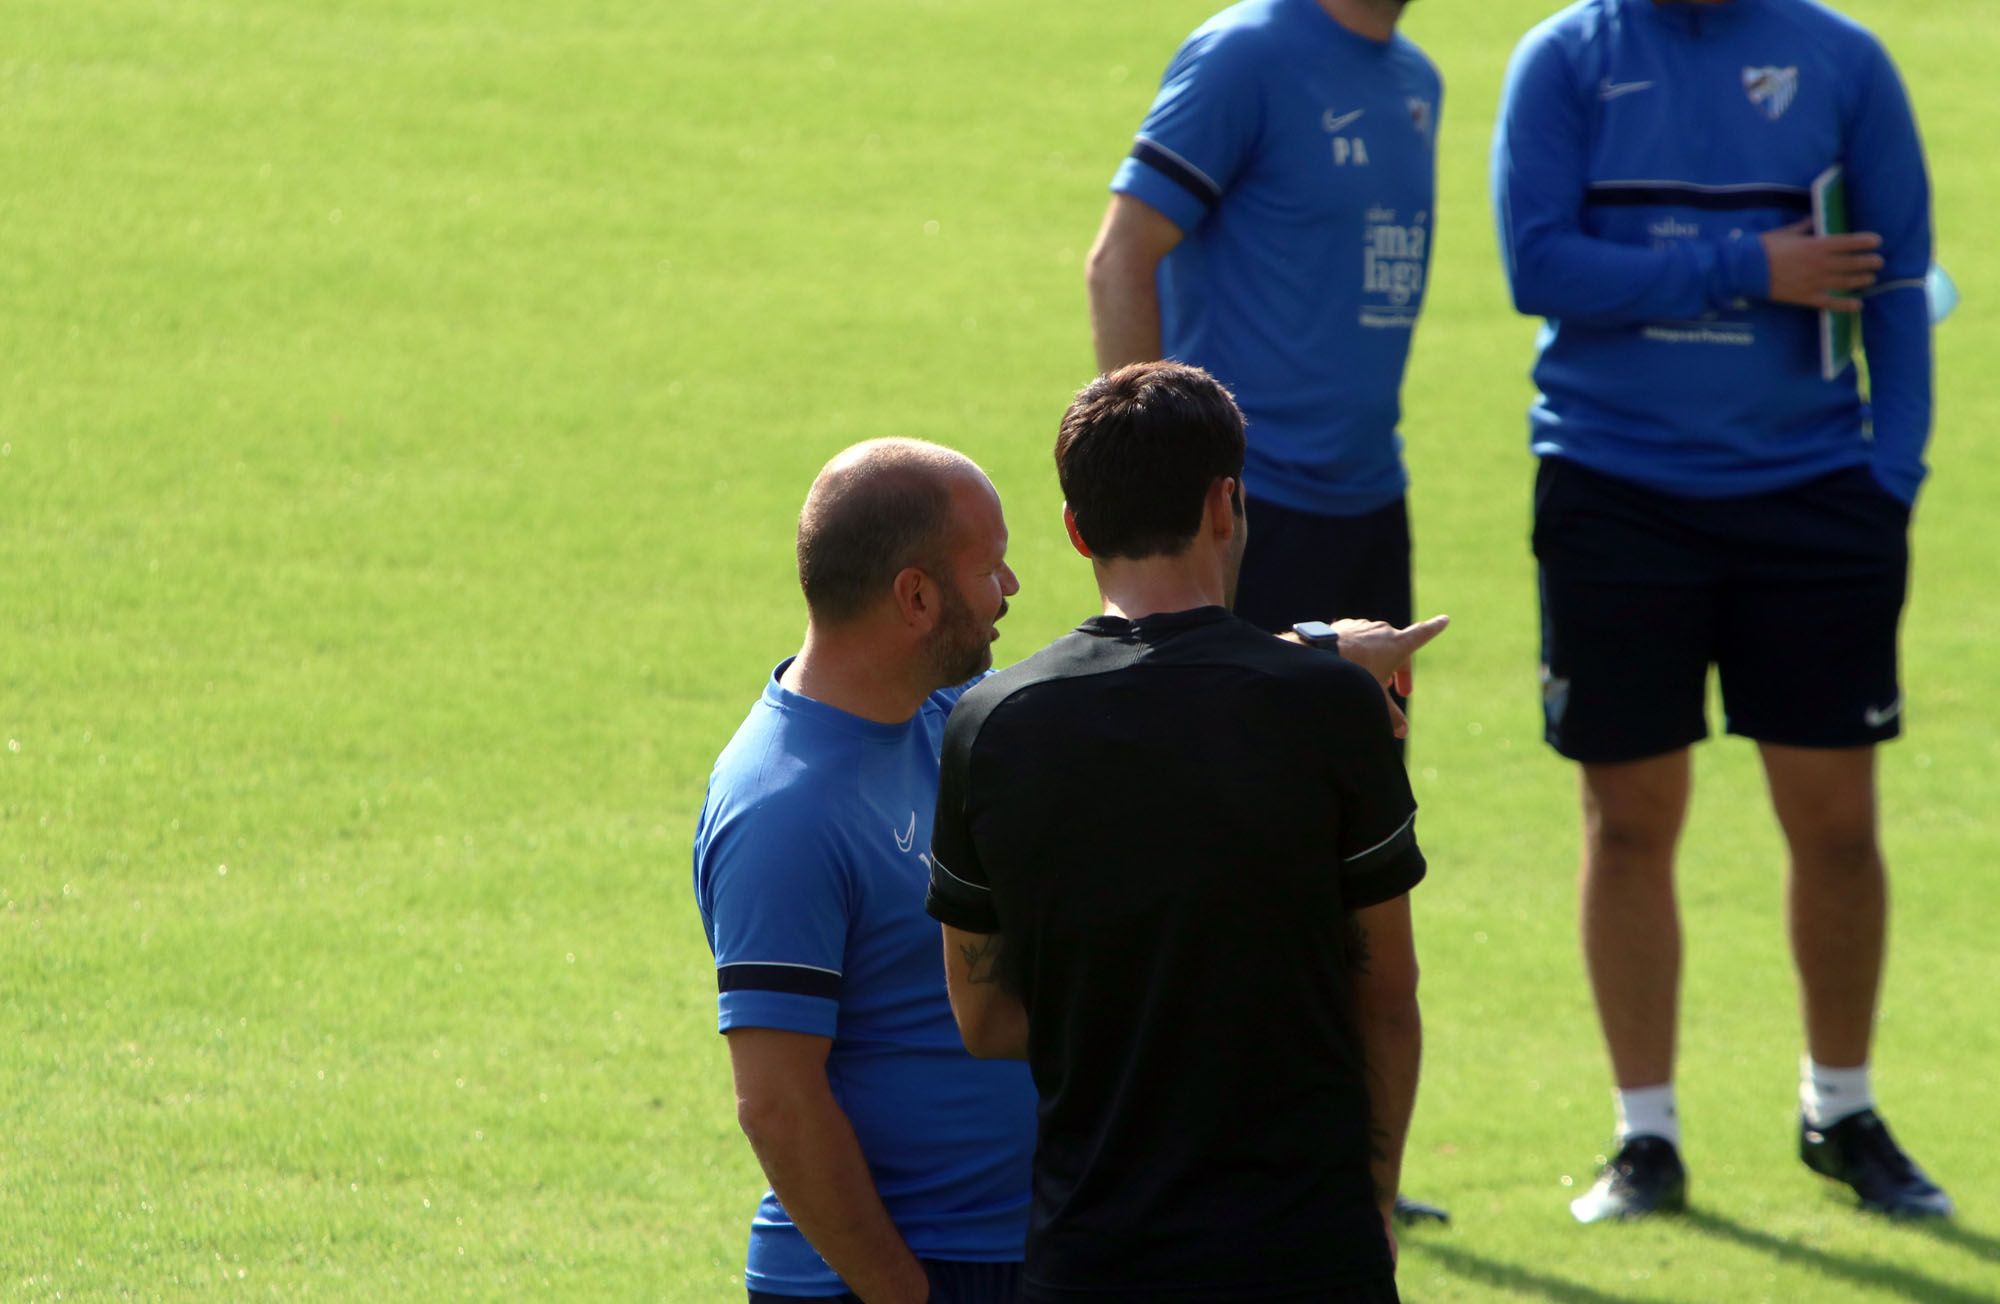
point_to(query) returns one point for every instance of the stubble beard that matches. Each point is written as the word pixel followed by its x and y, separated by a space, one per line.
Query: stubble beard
pixel 960 646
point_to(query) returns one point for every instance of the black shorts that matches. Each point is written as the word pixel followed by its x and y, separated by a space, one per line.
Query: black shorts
pixel 952 1282
pixel 1301 566
pixel 1793 595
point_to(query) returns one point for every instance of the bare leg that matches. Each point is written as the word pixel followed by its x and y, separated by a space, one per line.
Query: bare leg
pixel 1837 896
pixel 1632 817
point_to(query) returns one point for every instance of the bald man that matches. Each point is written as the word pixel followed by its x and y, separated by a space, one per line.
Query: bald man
pixel 898 1164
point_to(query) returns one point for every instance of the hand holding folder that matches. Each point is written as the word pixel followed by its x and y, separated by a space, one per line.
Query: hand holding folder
pixel 1839 327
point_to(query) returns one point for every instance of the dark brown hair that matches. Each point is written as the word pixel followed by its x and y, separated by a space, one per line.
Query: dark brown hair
pixel 1137 451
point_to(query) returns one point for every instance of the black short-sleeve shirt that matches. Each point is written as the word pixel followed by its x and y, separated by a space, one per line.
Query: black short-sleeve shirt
pixel 1168 820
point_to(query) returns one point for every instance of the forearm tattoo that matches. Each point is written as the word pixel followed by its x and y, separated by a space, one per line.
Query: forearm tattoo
pixel 1357 944
pixel 982 959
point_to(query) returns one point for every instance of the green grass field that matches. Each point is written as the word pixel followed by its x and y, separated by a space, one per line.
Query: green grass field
pixel 404 406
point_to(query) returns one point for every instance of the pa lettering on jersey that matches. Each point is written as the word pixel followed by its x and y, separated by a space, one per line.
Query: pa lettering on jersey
pixel 1347 149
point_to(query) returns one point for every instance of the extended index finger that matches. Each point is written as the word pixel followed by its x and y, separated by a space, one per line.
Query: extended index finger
pixel 1408 640
pixel 1412 637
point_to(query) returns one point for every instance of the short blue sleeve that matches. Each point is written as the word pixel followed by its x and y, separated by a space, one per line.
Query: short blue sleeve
pixel 1201 130
pixel 775 897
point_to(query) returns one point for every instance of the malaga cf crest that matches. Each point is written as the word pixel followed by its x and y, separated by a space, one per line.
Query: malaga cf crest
pixel 1771 89
pixel 1420 115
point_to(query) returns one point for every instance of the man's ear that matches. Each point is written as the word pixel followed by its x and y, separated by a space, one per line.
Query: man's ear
pixel 1075 535
pixel 916 595
pixel 1222 507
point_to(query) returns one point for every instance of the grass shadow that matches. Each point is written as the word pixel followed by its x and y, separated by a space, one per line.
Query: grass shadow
pixel 1978 1244
pixel 1886 1277
pixel 1506 1276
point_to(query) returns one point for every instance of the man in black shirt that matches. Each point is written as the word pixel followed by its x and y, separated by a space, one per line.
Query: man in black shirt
pixel 1172 857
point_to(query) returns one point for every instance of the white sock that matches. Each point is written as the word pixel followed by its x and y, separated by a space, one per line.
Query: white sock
pixel 1648 1111
pixel 1827 1095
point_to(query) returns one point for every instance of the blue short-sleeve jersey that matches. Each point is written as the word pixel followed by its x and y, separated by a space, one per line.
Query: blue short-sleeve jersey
pixel 811 861
pixel 1298 159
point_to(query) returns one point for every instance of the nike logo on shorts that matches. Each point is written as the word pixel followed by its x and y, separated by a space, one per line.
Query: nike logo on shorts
pixel 1877 716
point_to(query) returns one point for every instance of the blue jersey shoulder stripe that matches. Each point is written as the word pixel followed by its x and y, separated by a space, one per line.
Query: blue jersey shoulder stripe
pixel 796 979
pixel 1177 170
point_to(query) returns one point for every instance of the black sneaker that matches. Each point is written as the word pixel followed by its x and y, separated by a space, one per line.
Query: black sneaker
pixel 1409 1213
pixel 1859 1151
pixel 1645 1176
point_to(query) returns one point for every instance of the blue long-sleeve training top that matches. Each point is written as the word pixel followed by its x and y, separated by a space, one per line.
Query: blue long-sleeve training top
pixel 1641 152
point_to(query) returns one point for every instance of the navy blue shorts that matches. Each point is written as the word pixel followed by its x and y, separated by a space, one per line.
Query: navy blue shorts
pixel 1301 566
pixel 952 1282
pixel 1793 595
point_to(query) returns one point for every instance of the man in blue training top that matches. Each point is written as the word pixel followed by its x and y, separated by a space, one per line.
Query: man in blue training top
pixel 1713 490
pixel 1273 226
pixel 898 1164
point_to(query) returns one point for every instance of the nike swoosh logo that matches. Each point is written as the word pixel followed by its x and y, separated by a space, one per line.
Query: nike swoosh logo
pixel 1332 123
pixel 906 840
pixel 1876 717
pixel 1611 90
